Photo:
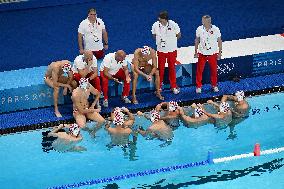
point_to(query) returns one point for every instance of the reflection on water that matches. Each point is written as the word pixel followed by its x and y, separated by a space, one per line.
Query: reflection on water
pixel 224 175
pixel 129 150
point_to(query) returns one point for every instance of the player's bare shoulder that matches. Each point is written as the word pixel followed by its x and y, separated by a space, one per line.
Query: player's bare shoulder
pixel 137 53
pixel 58 64
pixel 76 93
pixel 152 52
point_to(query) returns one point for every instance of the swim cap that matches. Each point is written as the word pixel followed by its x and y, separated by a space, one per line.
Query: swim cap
pixel 155 116
pixel 173 106
pixel 74 129
pixel 240 95
pixel 118 116
pixel 66 67
pixel 198 112
pixel 224 107
pixel 145 50
pixel 84 83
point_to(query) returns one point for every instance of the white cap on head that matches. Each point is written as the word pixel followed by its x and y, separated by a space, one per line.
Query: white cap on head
pixel 74 129
pixel 66 67
pixel 155 116
pixel 198 112
pixel 173 106
pixel 118 116
pixel 145 50
pixel 84 83
pixel 240 95
pixel 224 107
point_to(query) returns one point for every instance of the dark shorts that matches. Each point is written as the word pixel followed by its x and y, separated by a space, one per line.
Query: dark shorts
pixel 99 54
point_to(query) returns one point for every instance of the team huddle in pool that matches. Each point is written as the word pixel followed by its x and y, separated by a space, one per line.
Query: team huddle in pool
pixel 164 118
pixel 86 79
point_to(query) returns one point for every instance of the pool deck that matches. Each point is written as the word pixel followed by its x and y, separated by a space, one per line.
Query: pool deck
pixel 44 117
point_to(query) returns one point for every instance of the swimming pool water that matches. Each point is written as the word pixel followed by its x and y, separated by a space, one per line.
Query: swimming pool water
pixel 25 165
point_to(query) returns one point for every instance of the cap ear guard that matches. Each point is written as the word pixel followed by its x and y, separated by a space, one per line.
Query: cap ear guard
pixel 240 95
pixel 66 67
pixel 118 116
pixel 224 107
pixel 155 116
pixel 198 112
pixel 173 106
pixel 74 129
pixel 145 50
pixel 84 83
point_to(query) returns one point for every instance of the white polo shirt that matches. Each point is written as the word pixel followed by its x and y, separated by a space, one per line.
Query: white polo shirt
pixel 166 39
pixel 79 63
pixel 92 34
pixel 110 63
pixel 208 40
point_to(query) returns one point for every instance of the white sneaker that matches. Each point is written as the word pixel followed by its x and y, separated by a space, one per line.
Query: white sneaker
pixel 176 90
pixel 98 105
pixel 105 103
pixel 198 90
pixel 215 89
pixel 102 95
pixel 126 100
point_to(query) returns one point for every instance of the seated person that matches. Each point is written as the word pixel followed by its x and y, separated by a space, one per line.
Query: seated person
pixel 224 115
pixel 241 106
pixel 158 129
pixel 122 130
pixel 198 117
pixel 86 66
pixel 114 67
pixel 63 140
pixel 58 75
pixel 169 113
pixel 145 63
pixel 82 109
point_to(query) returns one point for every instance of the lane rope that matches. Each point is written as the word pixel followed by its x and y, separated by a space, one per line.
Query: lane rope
pixel 209 161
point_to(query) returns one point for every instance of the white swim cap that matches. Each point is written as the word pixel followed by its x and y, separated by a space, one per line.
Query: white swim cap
pixel 145 50
pixel 173 106
pixel 198 112
pixel 74 129
pixel 118 116
pixel 240 95
pixel 84 83
pixel 224 107
pixel 66 67
pixel 155 116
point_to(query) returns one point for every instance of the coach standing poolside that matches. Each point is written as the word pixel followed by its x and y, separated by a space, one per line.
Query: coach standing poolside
pixel 208 47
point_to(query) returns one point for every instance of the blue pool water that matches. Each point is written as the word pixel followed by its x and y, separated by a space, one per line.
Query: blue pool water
pixel 25 165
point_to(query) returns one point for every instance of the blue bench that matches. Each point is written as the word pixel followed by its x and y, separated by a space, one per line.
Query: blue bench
pixel 25 88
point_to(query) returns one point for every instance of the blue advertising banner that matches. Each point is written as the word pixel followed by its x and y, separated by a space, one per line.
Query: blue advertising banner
pixel 228 69
pixel 27 97
pixel 31 92
pixel 183 75
pixel 268 63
